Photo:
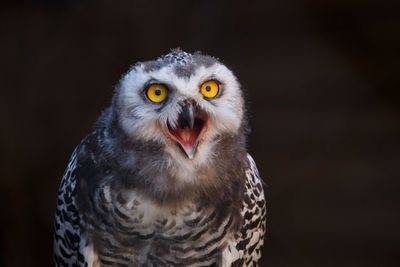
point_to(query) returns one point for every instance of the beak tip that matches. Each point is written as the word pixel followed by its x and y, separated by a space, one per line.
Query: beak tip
pixel 190 153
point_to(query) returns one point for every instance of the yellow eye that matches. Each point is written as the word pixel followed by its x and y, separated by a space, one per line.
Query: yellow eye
pixel 209 89
pixel 156 93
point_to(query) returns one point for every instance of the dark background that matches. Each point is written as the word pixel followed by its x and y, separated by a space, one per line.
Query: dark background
pixel 323 83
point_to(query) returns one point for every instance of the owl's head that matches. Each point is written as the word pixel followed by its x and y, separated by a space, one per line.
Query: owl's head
pixel 185 102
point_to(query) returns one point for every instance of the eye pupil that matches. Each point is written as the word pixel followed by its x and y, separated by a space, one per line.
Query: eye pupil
pixel 157 91
pixel 208 88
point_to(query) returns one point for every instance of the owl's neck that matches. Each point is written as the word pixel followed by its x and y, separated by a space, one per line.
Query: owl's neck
pixel 163 174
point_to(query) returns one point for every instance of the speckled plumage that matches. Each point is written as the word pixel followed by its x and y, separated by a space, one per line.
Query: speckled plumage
pixel 131 197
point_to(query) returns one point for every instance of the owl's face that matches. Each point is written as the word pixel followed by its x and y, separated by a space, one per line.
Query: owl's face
pixel 186 102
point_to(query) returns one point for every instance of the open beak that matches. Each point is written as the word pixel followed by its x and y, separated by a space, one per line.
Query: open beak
pixel 191 126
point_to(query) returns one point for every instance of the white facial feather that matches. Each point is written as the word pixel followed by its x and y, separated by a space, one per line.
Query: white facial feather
pixel 142 119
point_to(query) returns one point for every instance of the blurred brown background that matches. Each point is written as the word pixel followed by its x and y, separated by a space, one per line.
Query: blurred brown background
pixel 323 83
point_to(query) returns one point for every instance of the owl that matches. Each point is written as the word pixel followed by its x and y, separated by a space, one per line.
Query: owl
pixel 164 178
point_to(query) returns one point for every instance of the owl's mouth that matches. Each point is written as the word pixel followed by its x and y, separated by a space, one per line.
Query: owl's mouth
pixel 189 130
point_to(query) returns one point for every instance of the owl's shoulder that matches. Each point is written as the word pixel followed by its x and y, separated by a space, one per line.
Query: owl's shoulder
pixel 67 232
pixel 245 248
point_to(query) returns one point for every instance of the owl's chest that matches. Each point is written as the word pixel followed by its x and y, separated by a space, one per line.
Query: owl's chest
pixel 144 232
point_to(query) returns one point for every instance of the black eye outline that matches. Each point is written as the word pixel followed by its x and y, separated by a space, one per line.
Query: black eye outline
pixel 220 86
pixel 146 88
